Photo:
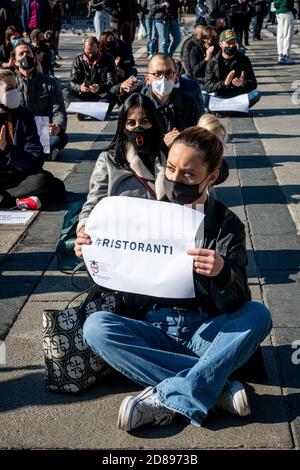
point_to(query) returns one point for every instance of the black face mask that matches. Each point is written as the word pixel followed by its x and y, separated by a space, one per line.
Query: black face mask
pixel 140 138
pixel 27 62
pixel 110 44
pixel 230 50
pixel 92 57
pixel 182 193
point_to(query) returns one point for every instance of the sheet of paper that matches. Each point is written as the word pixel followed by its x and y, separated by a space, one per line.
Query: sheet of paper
pixel 15 217
pixel 238 103
pixel 42 124
pixel 139 246
pixel 96 109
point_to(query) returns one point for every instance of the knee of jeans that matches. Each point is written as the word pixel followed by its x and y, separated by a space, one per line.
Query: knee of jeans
pixel 261 319
pixel 96 327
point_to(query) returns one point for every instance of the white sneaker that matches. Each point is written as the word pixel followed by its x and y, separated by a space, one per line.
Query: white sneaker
pixel 143 409
pixel 234 399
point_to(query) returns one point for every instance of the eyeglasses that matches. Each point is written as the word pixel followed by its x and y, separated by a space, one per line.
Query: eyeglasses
pixel 169 74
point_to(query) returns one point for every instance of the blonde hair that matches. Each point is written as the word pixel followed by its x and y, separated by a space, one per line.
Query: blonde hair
pixel 213 125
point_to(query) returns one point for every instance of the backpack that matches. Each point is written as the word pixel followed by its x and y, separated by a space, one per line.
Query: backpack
pixel 66 258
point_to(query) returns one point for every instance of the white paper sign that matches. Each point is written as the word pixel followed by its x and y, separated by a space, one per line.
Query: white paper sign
pixel 139 246
pixel 42 124
pixel 96 109
pixel 238 103
pixel 15 217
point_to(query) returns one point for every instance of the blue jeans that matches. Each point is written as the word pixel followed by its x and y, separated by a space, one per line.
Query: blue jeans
pixel 186 355
pixel 151 36
pixel 162 29
pixel 101 22
pixel 174 31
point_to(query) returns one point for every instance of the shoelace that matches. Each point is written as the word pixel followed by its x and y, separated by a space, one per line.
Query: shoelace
pixel 154 407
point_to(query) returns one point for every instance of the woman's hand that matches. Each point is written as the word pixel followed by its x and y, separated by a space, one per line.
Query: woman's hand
pixel 82 239
pixel 206 262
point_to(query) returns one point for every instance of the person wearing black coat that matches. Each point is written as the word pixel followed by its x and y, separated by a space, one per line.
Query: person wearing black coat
pixel 92 76
pixel 9 16
pixel 21 153
pixel 121 52
pixel 185 350
pixel 230 72
pixel 198 51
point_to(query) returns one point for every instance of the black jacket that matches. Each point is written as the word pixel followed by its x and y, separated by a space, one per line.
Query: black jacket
pixel 25 153
pixel 102 73
pixel 121 49
pixel 181 111
pixel 217 71
pixel 225 233
pixel 9 15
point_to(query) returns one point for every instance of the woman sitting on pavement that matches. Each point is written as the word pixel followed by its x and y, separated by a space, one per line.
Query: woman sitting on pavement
pixel 12 37
pixel 122 53
pixel 185 350
pixel 132 166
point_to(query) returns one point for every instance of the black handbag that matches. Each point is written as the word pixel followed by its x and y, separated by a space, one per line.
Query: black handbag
pixel 70 365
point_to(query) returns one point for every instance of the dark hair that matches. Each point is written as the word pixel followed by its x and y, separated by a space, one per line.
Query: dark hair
pixel 9 32
pixel 23 43
pixel 34 34
pixel 103 39
pixel 90 40
pixel 120 141
pixel 205 143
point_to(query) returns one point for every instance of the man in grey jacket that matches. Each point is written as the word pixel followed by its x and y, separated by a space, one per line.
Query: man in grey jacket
pixel 42 95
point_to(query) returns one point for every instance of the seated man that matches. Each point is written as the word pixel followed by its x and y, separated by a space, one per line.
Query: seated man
pixel 21 154
pixel 177 109
pixel 230 72
pixel 92 76
pixel 42 95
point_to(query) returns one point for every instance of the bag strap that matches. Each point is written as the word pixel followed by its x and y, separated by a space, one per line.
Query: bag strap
pixel 145 184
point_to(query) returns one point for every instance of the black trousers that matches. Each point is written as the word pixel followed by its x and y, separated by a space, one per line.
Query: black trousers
pixel 16 184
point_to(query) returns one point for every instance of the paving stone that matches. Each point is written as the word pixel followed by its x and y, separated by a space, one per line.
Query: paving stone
pixel 269 219
pixel 276 252
pixel 45 230
pixel 287 349
pixel 282 295
pixel 13 296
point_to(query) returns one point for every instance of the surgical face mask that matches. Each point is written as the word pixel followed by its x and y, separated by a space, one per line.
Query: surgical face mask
pixel 15 42
pixel 182 193
pixel 10 99
pixel 27 62
pixel 163 86
pixel 140 138
pixel 230 50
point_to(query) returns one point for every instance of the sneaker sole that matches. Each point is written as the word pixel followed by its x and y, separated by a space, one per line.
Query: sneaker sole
pixel 126 410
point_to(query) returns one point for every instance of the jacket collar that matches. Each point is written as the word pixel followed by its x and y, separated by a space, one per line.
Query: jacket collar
pixel 138 167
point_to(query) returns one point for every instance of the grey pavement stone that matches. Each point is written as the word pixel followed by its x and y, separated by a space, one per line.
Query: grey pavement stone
pixel 13 296
pixel 57 286
pixel 281 293
pixel 276 252
pixel 45 230
pixel 269 219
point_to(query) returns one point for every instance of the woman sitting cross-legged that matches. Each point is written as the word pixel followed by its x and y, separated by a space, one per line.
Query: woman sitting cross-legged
pixel 185 350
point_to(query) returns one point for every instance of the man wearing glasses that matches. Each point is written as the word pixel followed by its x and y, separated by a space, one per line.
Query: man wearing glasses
pixel 178 109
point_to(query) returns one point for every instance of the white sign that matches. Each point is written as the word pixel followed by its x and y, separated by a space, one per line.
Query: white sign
pixel 96 109
pixel 42 124
pixel 15 217
pixel 140 246
pixel 238 103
